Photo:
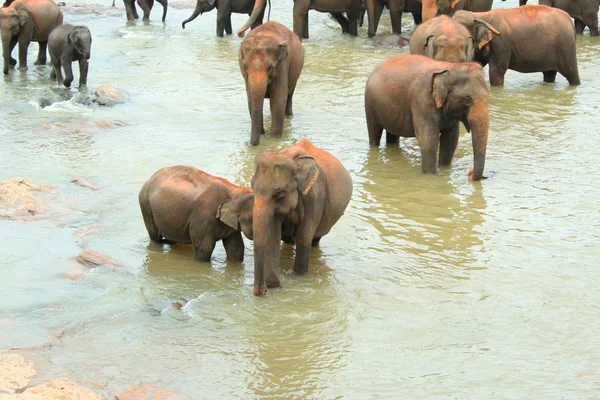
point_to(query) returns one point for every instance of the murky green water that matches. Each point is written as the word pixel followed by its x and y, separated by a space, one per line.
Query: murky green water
pixel 428 287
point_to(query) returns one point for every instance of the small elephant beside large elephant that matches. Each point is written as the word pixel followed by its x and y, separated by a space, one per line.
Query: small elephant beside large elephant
pixel 526 39
pixel 183 204
pixel 271 59
pixel 303 189
pixel 66 44
pixel 23 22
pixel 415 96
pixel 585 12
pixel 224 10
pixel 444 39
pixel 146 6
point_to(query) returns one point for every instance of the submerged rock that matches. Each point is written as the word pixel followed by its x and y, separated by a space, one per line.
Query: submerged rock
pixel 58 389
pixel 390 41
pixel 78 180
pixel 96 9
pixel 109 95
pixel 92 259
pixel 143 392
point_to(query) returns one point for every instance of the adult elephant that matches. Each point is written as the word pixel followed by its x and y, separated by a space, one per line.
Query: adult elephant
pixel 525 39
pixel 585 12
pixel 433 8
pixel 305 190
pixel 444 39
pixel 271 58
pixel 183 204
pixel 26 21
pixel 415 96
pixel 224 10
pixel 396 7
pixel 146 6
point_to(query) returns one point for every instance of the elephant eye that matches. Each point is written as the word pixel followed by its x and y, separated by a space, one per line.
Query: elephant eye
pixel 467 99
pixel 279 194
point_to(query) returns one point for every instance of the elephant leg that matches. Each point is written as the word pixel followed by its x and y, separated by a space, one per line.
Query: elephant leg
pixel 391 139
pixel 361 17
pixel 339 17
pixel 427 133
pixel 315 242
pixel 277 102
pixel 375 130
pixel 579 26
pixel 228 28
pixel 418 18
pixel 13 42
pixel 83 71
pixel 146 6
pixel 352 24
pixel 151 227
pixel 567 66
pixel 204 249
pixel 41 60
pixel 130 10
pixel 56 72
pixel 134 10
pixel 68 72
pixel 23 46
pixel 300 18
pixel 448 143
pixel 305 234
pixel 591 20
pixel 377 17
pixel 497 72
pixel 305 27
pixel 396 17
pixel 221 22
pixel 234 247
pixel 288 105
pixel 550 76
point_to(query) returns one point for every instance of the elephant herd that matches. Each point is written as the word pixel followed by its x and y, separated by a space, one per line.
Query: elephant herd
pixel 299 193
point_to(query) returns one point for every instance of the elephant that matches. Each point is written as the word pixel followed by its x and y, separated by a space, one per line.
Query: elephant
pixel 585 12
pixel 26 21
pixel 415 96
pixel 391 40
pixel 224 10
pixel 396 7
pixel 271 59
pixel 304 185
pixel 182 204
pixel 433 8
pixel 146 6
pixel 507 42
pixel 68 43
pixel 444 39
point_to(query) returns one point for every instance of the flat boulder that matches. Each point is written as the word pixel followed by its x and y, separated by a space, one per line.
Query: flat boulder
pixel 21 199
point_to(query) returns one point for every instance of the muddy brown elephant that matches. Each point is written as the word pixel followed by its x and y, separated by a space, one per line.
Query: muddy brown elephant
pixel 444 39
pixel 584 12
pixel 23 22
pixel 302 189
pixel 415 96
pixel 183 204
pixel 271 59
pixel 146 6
pixel 224 10
pixel 433 8
pixel 510 44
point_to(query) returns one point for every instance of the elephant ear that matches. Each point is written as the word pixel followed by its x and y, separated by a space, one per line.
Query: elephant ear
pixel 227 215
pixel 470 49
pixel 306 174
pixel 483 32
pixel 429 47
pixel 439 87
pixel 23 17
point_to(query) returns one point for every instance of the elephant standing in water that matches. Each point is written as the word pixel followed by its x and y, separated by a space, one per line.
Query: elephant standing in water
pixel 585 12
pixel 26 21
pixel 66 44
pixel 525 39
pixel 224 10
pixel 182 204
pixel 146 6
pixel 271 59
pixel 303 190
pixel 415 96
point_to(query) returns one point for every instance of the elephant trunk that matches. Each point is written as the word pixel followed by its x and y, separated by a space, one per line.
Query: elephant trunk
pixel 267 241
pixel 6 51
pixel 257 89
pixel 478 120
pixel 371 16
pixel 197 11
pixel 165 5
pixel 259 6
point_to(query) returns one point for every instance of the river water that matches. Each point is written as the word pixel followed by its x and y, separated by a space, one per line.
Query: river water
pixel 428 287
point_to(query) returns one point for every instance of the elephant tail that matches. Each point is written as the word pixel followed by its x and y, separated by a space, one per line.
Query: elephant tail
pixel 165 5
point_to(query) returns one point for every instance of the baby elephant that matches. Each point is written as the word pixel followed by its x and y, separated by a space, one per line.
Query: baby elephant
pixel 68 43
pixel 182 204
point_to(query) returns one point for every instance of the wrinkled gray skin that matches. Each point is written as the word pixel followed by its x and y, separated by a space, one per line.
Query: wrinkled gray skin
pixel 444 39
pixel 66 44
pixel 183 204
pixel 585 12
pixel 224 10
pixel 415 96
pixel 23 22
pixel 146 6
pixel 390 41
pixel 507 42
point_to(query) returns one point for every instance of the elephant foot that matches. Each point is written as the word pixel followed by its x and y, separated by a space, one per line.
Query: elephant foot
pixel 40 62
pixel 12 62
pixel 260 291
pixel 22 68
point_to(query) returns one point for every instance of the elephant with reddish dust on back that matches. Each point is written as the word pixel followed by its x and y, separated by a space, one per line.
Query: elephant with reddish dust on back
pixel 584 12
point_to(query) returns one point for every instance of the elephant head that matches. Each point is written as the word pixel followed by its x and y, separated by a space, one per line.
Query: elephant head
pixel 260 59
pixel 237 213
pixel 202 6
pixel 280 181
pixel 463 95
pixel 452 49
pixel 259 6
pixel 433 8
pixel 13 23
pixel 483 33
pixel 81 39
